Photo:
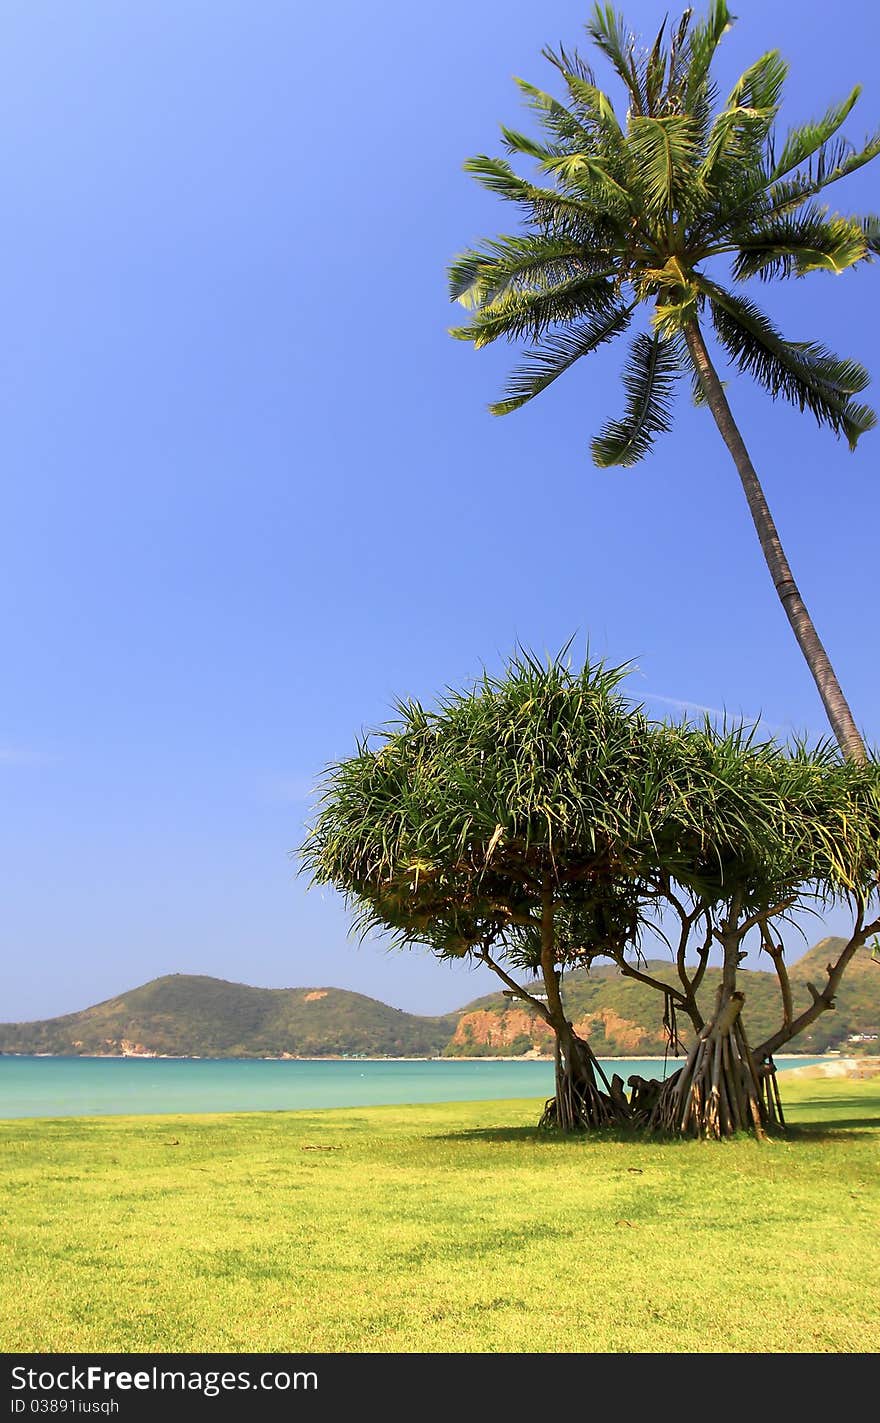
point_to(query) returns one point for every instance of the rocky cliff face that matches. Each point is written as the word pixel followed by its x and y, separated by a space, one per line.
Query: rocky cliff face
pixel 496 1032
pixel 619 1033
pixel 515 1030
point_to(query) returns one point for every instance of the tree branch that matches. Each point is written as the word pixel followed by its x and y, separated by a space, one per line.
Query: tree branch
pixel 823 1000
pixel 630 972
pixel 776 953
pixel 555 1009
pixel 764 915
pixel 662 888
pixel 704 955
pixel 689 984
pixel 515 987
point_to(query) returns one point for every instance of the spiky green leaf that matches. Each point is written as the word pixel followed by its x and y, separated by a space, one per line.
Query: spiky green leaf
pixel 804 373
pixel 761 85
pixel 665 156
pixel 649 380
pixel 529 262
pixel 797 243
pixel 801 143
pixel 517 314
pixel 608 30
pixel 697 58
pixel 557 354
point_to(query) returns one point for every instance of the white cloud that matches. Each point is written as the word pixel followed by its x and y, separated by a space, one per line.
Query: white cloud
pixel 769 726
pixel 684 706
pixel 21 756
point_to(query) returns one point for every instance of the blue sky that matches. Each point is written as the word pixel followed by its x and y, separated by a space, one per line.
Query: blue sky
pixel 251 491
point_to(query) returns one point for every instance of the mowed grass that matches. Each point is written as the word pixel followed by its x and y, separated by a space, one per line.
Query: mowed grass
pixel 456 1227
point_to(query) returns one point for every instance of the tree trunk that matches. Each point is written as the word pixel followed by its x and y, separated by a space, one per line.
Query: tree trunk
pixel 578 1104
pixel 836 707
pixel 718 1091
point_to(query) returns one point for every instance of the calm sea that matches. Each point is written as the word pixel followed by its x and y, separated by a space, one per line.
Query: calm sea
pixel 87 1086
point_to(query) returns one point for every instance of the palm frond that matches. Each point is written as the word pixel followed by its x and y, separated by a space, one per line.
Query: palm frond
pixel 517 314
pixel 543 205
pixel 797 243
pixel 804 373
pixel 497 175
pixel 838 162
pixel 566 126
pixel 608 31
pixel 598 108
pixel 735 146
pixel 648 380
pixel 801 143
pixel 871 232
pixel 590 178
pixel 754 200
pixel 523 262
pixel 696 59
pixel 761 85
pixel 569 61
pixel 516 142
pixel 655 71
pixel 698 394
pixel 681 53
pixel 665 152
pixel 557 354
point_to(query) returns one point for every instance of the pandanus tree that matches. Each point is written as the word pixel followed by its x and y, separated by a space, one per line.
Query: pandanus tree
pixel 768 831
pixel 489 828
pixel 538 821
pixel 634 215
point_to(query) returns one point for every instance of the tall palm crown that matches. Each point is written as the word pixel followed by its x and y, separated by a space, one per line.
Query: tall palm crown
pixel 639 212
pixel 631 213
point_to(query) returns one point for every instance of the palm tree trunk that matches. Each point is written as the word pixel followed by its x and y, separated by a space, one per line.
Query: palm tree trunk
pixel 839 715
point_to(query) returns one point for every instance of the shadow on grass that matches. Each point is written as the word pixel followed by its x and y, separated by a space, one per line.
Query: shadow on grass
pixel 499 1136
pixel 822 1131
pixel 805 1131
pixel 871 1104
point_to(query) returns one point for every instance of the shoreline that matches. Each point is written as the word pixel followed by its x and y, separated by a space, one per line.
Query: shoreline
pixel 833 1056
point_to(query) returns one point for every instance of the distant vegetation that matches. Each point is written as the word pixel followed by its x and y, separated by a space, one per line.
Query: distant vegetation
pixel 183 1015
pixel 622 1016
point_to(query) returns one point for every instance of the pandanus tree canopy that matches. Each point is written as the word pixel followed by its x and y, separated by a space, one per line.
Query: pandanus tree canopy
pixel 448 826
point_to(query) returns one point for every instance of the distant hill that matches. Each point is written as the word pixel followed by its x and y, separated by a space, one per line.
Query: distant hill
pixel 184 1015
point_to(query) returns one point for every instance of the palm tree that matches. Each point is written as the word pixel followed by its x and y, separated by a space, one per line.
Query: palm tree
pixel 636 213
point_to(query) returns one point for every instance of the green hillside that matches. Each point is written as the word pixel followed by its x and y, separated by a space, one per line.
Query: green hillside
pixel 192 1016
pixel 623 1017
pixel 183 1015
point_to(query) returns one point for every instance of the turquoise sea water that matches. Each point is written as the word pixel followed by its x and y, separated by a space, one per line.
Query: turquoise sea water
pixel 88 1086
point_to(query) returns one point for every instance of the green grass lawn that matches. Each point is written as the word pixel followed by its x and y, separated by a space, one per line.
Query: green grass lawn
pixel 455 1227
